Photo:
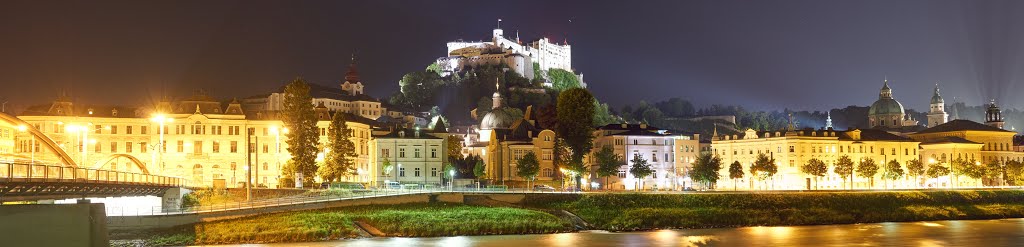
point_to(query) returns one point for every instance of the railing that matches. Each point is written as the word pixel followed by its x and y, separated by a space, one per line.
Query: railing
pixel 14 172
pixel 312 196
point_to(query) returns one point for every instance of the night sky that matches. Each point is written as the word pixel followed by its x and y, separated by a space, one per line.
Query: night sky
pixel 806 55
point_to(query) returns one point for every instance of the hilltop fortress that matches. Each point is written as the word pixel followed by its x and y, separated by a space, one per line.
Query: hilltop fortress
pixel 522 58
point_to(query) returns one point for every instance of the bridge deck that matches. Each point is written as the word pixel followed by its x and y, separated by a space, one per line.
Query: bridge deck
pixel 20 182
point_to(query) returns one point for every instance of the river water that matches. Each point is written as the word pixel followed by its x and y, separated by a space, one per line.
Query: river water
pixel 989 233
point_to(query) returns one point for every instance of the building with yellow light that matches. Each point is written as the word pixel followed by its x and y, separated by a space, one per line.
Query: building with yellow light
pixel 197 138
pixel 793 148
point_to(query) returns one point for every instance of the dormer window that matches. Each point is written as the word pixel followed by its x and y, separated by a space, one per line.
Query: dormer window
pixel 401 134
pixel 90 111
pixel 113 112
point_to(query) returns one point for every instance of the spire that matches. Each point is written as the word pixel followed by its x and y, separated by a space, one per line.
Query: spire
pixel 791 127
pixel 352 75
pixel 828 121
pixel 496 98
pixel 886 92
pixel 714 133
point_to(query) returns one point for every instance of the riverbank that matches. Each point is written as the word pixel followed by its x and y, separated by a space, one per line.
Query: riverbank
pixel 612 211
pixel 407 220
pixel 631 212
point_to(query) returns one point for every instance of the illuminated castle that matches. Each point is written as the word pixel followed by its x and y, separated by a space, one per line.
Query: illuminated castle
pixel 518 56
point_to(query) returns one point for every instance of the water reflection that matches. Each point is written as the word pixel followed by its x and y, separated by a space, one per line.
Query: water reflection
pixel 1007 232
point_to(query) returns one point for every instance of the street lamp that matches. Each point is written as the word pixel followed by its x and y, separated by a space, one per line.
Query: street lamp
pixel 161 119
pixel 451 179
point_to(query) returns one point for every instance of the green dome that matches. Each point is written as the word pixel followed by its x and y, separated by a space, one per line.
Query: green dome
pixel 886 106
pixel 499 118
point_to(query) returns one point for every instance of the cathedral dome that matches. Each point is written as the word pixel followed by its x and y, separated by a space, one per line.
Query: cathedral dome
pixel 498 118
pixel 886 106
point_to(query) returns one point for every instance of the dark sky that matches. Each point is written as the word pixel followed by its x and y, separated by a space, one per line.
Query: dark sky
pixel 809 55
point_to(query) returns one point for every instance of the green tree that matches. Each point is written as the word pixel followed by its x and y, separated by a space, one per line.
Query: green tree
pixel 562 80
pixel 972 169
pixel 447 170
pixel 479 170
pixel 608 163
pixel 915 168
pixel 454 147
pixel 300 119
pixel 706 169
pixel 386 166
pixel 867 168
pixel 844 168
pixel 816 168
pixel 419 89
pixel 735 172
pixel 640 170
pixel 764 168
pixel 575 117
pixel 892 171
pixel 936 170
pixel 1013 172
pixel 958 167
pixel 995 173
pixel 602 114
pixel 340 158
pixel 528 166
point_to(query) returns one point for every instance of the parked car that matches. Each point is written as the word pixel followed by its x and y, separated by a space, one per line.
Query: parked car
pixel 541 187
pixel 392 185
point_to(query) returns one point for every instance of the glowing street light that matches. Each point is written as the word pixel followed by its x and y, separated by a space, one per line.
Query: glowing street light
pixel 161 120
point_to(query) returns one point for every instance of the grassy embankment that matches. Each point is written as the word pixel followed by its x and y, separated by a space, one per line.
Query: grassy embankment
pixel 616 212
pixel 627 212
pixel 413 220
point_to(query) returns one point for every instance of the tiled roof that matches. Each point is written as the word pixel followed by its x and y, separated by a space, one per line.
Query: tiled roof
pixel 961 125
pixel 949 139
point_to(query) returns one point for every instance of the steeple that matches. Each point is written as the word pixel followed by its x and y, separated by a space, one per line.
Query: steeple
pixel 828 121
pixel 352 75
pixel 994 116
pixel 937 109
pixel 886 92
pixel 714 133
pixel 496 98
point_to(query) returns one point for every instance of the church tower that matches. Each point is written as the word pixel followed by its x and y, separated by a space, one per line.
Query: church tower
pixel 828 121
pixel 937 113
pixel 352 86
pixel 993 116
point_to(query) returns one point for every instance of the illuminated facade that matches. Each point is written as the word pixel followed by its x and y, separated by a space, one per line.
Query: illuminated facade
pixel 203 140
pixel 417 155
pixel 793 148
pixel 670 156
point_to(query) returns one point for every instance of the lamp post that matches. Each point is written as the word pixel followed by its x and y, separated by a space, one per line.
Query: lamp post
pixel 451 179
pixel 161 120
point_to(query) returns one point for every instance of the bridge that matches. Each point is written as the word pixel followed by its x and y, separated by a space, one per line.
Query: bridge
pixel 23 180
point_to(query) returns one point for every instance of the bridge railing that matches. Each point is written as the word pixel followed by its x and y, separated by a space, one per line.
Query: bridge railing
pixel 16 172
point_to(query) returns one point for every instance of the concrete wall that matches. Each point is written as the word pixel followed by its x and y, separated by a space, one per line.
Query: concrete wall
pixel 53 225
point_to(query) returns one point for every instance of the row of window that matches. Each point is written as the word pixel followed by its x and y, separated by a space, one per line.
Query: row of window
pixel 386 153
pixel 828 149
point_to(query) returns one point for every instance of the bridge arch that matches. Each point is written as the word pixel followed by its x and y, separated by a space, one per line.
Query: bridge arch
pixel 138 163
pixel 40 137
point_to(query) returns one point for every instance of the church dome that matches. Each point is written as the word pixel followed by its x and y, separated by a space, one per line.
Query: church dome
pixel 885 103
pixel 886 106
pixel 498 118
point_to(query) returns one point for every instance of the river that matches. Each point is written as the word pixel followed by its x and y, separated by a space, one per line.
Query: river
pixel 989 233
